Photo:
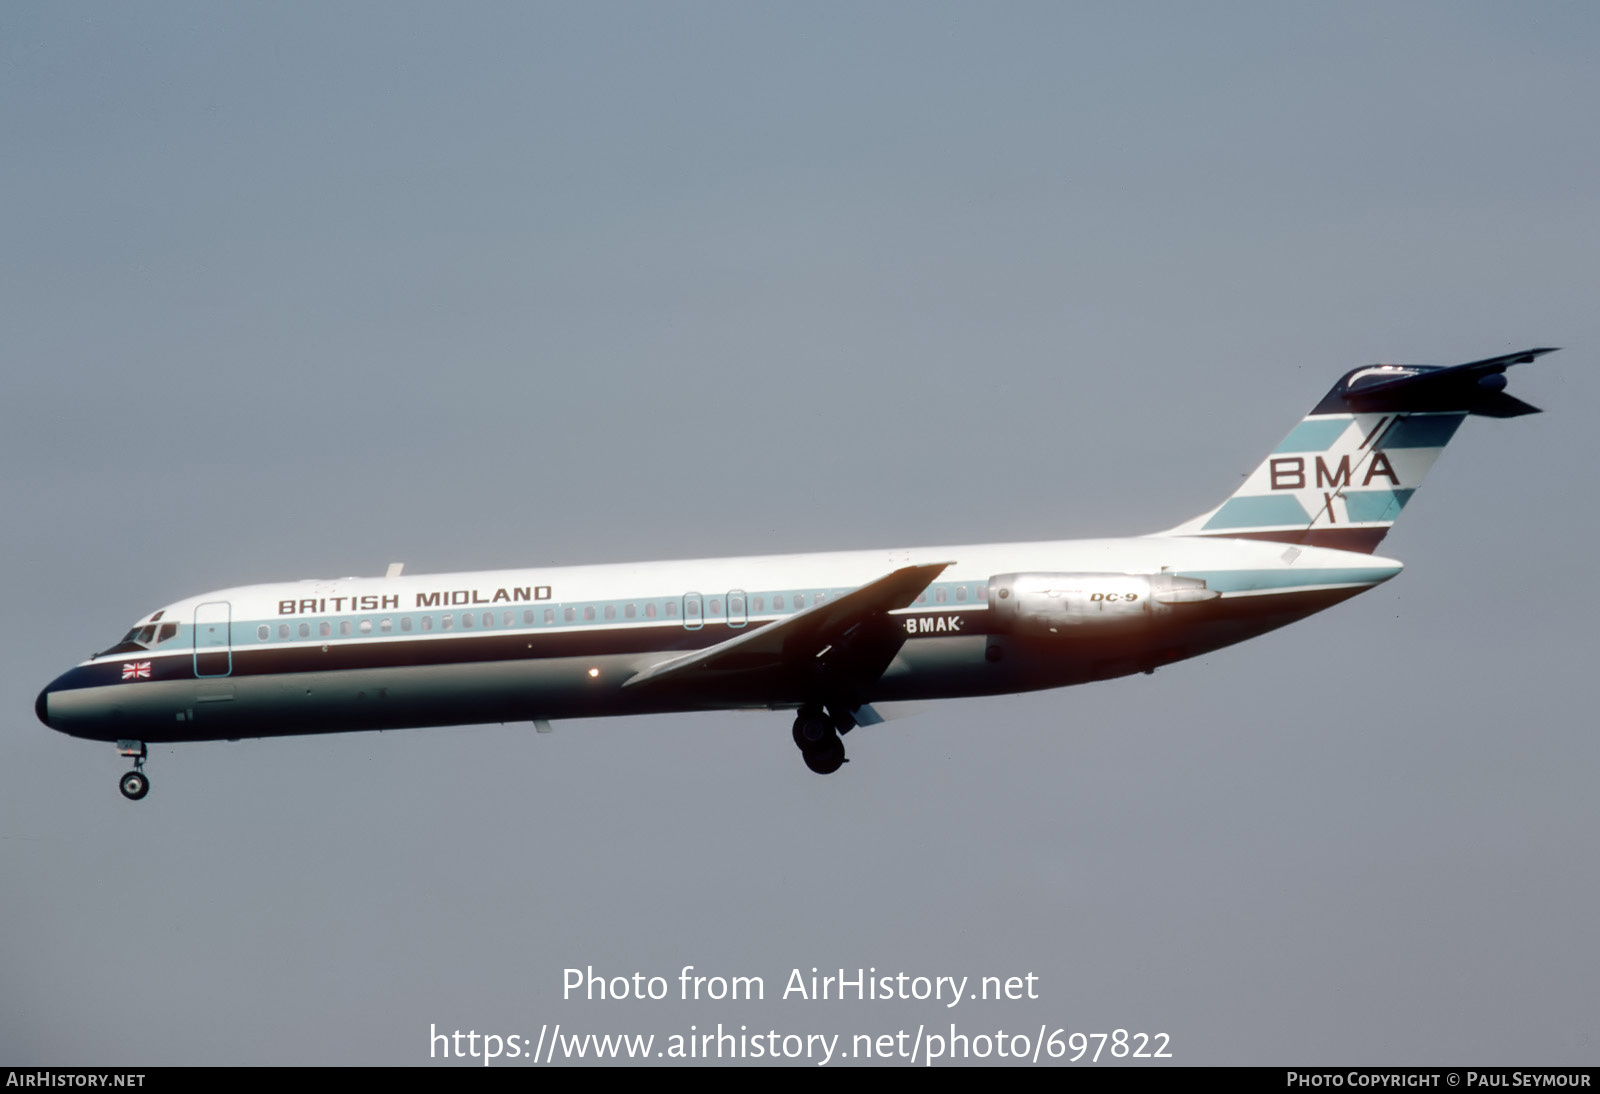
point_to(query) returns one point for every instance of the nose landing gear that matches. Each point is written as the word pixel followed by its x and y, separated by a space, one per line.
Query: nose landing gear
pixel 134 784
pixel 817 737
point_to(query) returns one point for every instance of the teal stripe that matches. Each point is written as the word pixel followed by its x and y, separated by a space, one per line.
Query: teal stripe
pixel 1261 511
pixel 973 594
pixel 1423 431
pixel 1313 436
pixel 1374 505
pixel 1238 581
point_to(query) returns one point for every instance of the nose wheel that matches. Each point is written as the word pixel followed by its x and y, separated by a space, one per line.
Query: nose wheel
pixel 817 737
pixel 134 784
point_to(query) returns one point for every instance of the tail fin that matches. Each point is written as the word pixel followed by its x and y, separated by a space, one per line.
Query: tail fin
pixel 1341 477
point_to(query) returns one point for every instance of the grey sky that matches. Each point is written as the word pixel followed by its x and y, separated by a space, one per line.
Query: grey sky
pixel 298 290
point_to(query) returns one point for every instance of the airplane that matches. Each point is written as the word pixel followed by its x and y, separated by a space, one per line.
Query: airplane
pixel 826 636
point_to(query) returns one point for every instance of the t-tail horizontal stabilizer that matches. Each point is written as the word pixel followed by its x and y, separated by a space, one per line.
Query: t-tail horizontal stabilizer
pixel 1341 477
pixel 1477 387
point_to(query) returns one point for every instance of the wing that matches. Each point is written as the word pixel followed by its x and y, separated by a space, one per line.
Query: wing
pixel 849 638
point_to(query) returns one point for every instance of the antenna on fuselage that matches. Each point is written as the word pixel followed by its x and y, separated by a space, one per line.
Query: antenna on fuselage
pixel 394 569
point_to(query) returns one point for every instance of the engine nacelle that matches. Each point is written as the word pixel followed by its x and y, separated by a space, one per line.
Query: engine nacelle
pixel 1081 604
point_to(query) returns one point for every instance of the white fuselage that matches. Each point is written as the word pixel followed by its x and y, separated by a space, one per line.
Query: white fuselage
pixel 560 642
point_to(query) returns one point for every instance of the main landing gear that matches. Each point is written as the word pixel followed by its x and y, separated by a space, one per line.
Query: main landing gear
pixel 135 784
pixel 816 734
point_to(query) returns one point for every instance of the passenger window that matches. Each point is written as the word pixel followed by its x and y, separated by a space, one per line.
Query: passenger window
pixel 611 611
pixel 922 597
pixel 427 622
pixel 650 610
pixel 466 619
pixel 511 617
pixel 527 616
pixel 263 631
pixel 569 614
pixel 366 626
pixel 386 625
pixel 777 602
pixel 938 595
pixel 405 623
pixel 672 609
pixel 983 593
pixel 324 628
pixel 305 630
pixel 757 604
pixel 961 593
pixel 283 630
pixel 714 606
pixel 488 619
pixel 549 615
pixel 344 627
pixel 447 622
pixel 630 611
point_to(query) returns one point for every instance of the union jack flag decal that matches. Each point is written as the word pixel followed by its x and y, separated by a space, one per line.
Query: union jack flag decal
pixel 136 670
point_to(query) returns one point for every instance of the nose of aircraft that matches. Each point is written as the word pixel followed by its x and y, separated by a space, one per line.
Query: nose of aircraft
pixel 66 708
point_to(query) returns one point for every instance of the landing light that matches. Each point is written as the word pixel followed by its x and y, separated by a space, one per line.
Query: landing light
pixel 594 672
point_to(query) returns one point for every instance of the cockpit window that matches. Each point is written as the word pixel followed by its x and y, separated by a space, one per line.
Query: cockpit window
pixel 142 638
pixel 129 644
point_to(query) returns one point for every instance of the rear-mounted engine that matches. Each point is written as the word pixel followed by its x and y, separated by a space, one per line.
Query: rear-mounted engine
pixel 1068 604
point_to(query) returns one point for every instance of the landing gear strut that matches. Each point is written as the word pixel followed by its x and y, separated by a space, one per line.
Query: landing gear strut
pixel 134 784
pixel 817 737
